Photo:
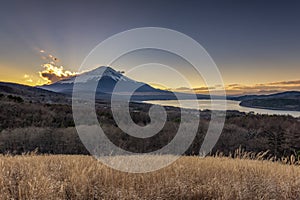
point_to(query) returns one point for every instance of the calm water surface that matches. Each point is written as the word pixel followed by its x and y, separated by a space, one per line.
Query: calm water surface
pixel 231 105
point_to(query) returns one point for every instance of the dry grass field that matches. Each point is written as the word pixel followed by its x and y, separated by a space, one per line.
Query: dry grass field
pixel 82 177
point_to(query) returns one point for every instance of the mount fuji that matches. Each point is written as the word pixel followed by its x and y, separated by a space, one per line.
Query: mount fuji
pixel 107 83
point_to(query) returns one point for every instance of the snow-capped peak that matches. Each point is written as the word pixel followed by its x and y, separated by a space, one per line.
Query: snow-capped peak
pixel 95 75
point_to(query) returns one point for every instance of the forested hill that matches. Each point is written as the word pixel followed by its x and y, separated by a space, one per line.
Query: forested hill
pixel 279 101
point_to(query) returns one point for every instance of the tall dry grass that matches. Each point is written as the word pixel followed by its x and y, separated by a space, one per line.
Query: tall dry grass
pixel 82 177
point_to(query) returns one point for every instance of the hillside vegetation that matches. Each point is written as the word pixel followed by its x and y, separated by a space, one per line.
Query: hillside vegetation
pixel 278 101
pixel 82 177
pixel 26 126
pixel 275 104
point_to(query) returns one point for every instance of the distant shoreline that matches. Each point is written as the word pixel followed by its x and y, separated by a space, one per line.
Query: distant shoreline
pixel 267 108
pixel 252 104
pixel 235 107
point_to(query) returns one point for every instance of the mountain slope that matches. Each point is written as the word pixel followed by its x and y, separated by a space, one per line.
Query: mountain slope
pixel 32 94
pixel 106 85
pixel 273 104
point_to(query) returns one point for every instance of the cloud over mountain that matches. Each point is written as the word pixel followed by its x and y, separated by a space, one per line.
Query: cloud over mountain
pixel 52 72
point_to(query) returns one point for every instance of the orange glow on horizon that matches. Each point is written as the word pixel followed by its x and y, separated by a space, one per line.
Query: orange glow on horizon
pixel 231 89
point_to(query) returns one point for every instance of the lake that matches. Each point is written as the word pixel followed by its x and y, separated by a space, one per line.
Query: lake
pixel 231 105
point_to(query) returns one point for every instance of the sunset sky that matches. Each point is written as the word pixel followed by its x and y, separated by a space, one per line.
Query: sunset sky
pixel 255 44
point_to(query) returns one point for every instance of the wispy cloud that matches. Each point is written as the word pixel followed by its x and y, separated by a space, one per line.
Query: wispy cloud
pixel 297 82
pixel 28 78
pixel 266 87
pixel 240 89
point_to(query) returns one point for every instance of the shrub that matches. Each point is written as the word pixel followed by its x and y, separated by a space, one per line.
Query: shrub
pixel 16 98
